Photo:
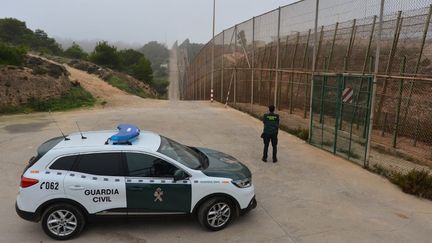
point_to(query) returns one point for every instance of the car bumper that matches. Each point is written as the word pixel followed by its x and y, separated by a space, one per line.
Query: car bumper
pixel 27 215
pixel 252 204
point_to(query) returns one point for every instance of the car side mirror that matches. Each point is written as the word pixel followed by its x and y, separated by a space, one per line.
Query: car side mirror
pixel 180 175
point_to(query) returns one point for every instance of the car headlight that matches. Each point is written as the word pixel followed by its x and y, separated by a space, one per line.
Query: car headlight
pixel 242 183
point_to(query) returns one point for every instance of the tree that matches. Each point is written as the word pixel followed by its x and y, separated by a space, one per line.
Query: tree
pixel 106 55
pixel 142 70
pixel 10 55
pixel 191 48
pixel 158 54
pixel 75 51
pixel 130 57
pixel 15 32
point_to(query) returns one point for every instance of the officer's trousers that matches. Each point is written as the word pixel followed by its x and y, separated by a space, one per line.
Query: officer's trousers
pixel 274 140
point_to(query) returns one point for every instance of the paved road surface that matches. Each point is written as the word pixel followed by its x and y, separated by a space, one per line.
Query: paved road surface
pixel 309 196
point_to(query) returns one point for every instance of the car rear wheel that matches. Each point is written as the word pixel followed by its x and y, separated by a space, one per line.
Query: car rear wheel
pixel 63 221
pixel 216 213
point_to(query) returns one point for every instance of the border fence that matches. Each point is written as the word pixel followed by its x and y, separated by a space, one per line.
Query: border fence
pixel 357 74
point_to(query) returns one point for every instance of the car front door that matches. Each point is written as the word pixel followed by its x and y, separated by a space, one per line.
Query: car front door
pixel 150 186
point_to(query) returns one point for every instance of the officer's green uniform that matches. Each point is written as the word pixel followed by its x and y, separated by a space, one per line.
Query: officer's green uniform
pixel 271 128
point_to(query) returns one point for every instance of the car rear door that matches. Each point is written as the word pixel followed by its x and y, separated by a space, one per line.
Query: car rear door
pixel 97 182
pixel 150 187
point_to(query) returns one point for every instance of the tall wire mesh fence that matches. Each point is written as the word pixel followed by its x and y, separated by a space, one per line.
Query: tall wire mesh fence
pixel 269 60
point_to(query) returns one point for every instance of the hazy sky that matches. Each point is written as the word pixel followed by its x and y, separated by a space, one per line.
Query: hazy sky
pixel 134 21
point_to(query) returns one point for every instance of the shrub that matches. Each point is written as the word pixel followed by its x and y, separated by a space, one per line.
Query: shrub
pixel 75 51
pixel 142 70
pixel 106 55
pixel 10 55
pixel 76 97
pixel 124 85
pixel 160 86
pixel 415 182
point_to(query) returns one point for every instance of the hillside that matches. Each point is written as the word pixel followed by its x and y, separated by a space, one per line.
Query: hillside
pixel 39 85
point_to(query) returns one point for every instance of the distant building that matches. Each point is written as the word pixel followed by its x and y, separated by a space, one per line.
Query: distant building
pixel 164 65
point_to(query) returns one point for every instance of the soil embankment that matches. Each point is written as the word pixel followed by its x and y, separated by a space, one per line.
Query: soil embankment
pixel 37 79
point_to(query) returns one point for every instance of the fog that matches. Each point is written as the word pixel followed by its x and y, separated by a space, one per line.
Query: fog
pixel 133 22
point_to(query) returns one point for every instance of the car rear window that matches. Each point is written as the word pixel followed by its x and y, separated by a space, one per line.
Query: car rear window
pixel 42 150
pixel 64 163
pixel 109 164
pixel 47 146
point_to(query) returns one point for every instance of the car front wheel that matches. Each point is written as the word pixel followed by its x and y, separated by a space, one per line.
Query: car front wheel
pixel 216 213
pixel 62 221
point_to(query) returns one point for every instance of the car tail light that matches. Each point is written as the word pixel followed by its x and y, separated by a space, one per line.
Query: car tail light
pixel 26 182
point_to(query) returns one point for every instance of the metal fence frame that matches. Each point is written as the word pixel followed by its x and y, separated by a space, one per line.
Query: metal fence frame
pixel 285 58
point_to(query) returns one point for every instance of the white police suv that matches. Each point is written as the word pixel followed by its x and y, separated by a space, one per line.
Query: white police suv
pixel 130 173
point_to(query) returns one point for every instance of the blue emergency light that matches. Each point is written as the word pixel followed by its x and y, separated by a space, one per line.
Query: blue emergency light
pixel 126 134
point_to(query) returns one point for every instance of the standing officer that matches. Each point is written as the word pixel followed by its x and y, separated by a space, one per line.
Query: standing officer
pixel 271 128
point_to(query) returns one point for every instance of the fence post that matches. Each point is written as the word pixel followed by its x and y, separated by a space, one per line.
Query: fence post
pixel 401 81
pixel 235 65
pixel 292 74
pixel 304 66
pixel 374 85
pixel 332 45
pixel 223 53
pixel 390 63
pixel 277 61
pixel 313 67
pixel 253 63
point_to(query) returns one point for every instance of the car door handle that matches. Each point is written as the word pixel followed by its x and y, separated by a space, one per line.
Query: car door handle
pixel 76 187
pixel 135 188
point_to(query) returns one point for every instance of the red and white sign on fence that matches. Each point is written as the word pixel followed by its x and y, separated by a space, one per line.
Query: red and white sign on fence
pixel 347 95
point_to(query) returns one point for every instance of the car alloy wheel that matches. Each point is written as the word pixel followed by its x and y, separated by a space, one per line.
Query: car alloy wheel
pixel 219 214
pixel 62 223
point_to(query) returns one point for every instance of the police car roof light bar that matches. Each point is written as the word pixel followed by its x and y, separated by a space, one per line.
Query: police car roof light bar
pixel 126 134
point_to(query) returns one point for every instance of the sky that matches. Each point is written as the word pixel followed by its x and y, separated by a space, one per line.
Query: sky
pixel 134 21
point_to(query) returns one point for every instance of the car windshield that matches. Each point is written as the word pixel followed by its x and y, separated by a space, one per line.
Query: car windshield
pixel 180 153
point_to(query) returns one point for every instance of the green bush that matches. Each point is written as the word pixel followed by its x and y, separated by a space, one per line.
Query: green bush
pixel 161 86
pixel 124 85
pixel 75 51
pixel 10 55
pixel 298 132
pixel 415 182
pixel 15 32
pixel 76 97
pixel 142 70
pixel 106 55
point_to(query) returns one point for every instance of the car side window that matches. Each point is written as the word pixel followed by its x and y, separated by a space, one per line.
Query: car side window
pixel 108 164
pixel 64 163
pixel 144 165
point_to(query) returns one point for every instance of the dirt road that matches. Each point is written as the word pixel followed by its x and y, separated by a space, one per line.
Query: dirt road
pixel 102 90
pixel 173 89
pixel 308 196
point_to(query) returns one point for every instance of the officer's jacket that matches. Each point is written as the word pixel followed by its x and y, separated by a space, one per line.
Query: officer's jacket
pixel 271 123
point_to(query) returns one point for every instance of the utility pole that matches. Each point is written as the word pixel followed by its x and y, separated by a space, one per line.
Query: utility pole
pixel 374 84
pixel 213 49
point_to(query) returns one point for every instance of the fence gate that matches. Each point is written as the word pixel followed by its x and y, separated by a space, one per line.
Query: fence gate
pixel 340 114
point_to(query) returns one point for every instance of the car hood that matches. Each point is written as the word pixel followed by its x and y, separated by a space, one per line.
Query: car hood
pixel 224 165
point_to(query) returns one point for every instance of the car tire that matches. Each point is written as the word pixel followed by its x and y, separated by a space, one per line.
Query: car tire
pixel 63 221
pixel 216 213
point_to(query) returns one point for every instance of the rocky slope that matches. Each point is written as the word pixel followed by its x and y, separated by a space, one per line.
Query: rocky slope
pixel 36 79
